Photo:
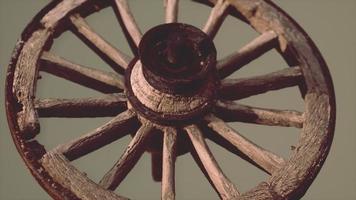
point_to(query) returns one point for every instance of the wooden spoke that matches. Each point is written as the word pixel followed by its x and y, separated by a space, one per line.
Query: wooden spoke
pixel 234 89
pixel 216 18
pixel 267 160
pixel 168 165
pixel 132 154
pixel 102 81
pixel 103 46
pixel 129 21
pixel 171 10
pixel 219 140
pixel 220 182
pixel 231 111
pixel 116 128
pixel 105 106
pixel 246 54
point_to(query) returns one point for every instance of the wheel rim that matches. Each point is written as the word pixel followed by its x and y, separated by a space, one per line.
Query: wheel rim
pixel 289 180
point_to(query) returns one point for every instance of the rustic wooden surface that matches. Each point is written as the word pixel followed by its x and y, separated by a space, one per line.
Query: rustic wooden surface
pixel 231 111
pixel 116 55
pixel 225 188
pixel 129 20
pixel 254 49
pixel 109 132
pixel 128 159
pixel 216 18
pixel 63 172
pixel 289 179
pixel 168 163
pixel 267 160
pixel 247 87
pixel 25 78
pixel 171 7
pixel 106 82
pixel 105 106
pixel 163 102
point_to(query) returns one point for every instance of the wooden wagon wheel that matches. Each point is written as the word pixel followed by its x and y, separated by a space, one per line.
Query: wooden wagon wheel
pixel 168 94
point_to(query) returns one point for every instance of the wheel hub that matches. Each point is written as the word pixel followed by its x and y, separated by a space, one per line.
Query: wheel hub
pixel 174 80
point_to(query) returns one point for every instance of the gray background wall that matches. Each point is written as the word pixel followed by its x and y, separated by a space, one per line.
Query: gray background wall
pixel 329 23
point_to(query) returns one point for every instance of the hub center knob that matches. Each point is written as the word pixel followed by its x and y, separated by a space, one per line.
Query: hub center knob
pixel 174 80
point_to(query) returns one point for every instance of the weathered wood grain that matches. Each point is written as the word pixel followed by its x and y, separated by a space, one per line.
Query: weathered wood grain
pixel 216 18
pixel 312 149
pixel 127 161
pixel 106 82
pixel 24 83
pixel 113 53
pixel 118 127
pixel 289 182
pixel 234 89
pixel 251 51
pixel 222 142
pixel 105 106
pixel 262 191
pixel 267 160
pixel 129 20
pixel 71 178
pixel 162 102
pixel 297 49
pixel 51 19
pixel 231 111
pixel 168 164
pixel 171 10
pixel 221 183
